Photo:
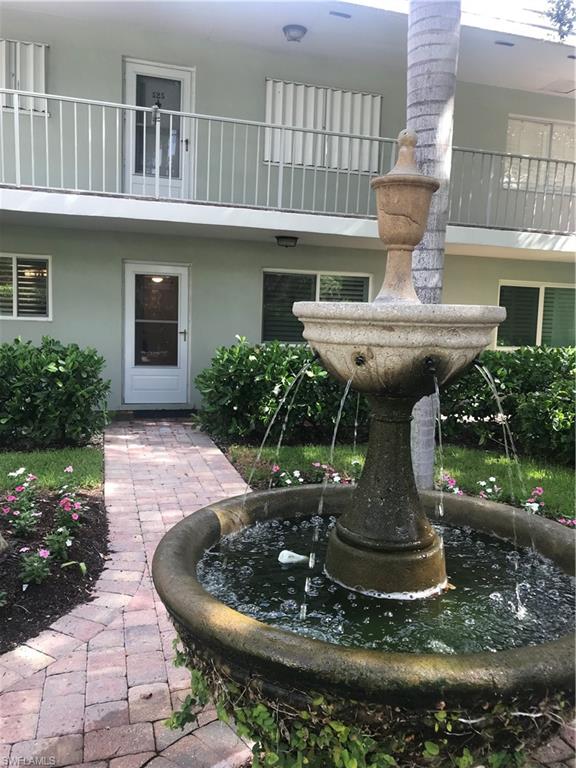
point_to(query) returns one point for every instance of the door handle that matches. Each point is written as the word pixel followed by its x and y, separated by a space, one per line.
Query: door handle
pixel 184 333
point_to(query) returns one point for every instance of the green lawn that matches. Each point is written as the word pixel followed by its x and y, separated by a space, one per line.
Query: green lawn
pixel 48 466
pixel 466 465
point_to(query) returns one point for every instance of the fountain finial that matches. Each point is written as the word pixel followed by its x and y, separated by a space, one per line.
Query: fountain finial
pixel 406 162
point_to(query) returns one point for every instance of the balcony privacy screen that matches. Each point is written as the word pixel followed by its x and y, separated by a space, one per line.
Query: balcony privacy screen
pixel 23 67
pixel 23 287
pixel 282 289
pixel 323 109
pixel 523 307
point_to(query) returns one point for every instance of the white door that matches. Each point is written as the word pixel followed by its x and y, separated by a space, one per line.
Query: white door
pixel 170 88
pixel 156 334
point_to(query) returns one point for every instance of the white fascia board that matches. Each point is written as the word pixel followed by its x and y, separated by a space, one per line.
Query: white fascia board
pixel 114 207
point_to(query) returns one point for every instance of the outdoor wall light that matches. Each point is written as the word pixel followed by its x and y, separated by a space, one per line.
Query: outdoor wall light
pixel 294 32
pixel 157 279
pixel 286 241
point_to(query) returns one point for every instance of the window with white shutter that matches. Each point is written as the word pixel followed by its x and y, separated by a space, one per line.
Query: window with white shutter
pixel 23 68
pixel 540 139
pixel 322 109
pixel 537 314
pixel 24 287
pixel 282 289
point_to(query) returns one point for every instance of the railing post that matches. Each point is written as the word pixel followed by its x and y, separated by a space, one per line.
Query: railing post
pixel 490 190
pixel 17 138
pixel 281 169
pixel 156 120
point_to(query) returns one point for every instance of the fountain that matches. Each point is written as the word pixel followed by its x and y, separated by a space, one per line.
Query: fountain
pixel 394 350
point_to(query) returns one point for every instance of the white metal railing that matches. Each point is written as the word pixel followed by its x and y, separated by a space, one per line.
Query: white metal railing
pixel 507 191
pixel 95 146
pixel 82 145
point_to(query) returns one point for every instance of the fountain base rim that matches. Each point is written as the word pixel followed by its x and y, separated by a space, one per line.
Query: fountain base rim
pixel 420 595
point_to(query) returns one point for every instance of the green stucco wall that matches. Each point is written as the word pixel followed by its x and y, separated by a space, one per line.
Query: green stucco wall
pixel 225 284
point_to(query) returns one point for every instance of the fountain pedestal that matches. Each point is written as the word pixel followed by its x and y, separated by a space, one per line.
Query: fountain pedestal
pixel 384 544
pixel 390 350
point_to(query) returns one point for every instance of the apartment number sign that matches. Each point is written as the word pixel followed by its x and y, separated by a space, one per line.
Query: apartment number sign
pixel 157 95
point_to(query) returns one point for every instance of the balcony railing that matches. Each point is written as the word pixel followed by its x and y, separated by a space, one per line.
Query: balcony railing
pixel 80 145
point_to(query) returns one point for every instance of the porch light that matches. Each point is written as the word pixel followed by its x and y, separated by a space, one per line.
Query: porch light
pixel 157 279
pixel 294 32
pixel 286 241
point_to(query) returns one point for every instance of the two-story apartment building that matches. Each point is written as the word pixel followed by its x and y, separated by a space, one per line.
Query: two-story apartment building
pixel 183 172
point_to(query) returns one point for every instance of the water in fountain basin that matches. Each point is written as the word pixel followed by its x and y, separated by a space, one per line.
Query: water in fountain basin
pixel 480 614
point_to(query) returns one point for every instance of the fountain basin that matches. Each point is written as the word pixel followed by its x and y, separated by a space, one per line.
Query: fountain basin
pixel 286 666
pixel 383 348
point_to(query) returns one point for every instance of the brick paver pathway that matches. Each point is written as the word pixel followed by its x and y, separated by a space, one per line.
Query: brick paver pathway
pixel 95 688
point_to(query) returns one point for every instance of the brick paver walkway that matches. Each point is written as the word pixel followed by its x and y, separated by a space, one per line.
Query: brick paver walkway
pixel 95 688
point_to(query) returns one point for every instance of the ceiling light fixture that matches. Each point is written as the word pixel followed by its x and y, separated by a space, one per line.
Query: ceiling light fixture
pixel 294 32
pixel 286 241
pixel 157 279
pixel 505 43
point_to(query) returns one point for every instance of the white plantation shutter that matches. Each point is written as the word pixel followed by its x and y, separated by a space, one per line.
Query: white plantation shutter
pixel 539 139
pixel 323 109
pixel 558 317
pixel 24 287
pixel 23 68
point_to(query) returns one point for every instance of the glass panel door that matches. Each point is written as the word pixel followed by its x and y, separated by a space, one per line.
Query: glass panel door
pixel 156 320
pixel 166 94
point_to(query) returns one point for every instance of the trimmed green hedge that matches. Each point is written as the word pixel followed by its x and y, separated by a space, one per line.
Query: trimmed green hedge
pixel 245 383
pixel 536 386
pixel 50 395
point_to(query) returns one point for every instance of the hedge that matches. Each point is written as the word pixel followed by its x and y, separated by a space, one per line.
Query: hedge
pixel 50 395
pixel 244 384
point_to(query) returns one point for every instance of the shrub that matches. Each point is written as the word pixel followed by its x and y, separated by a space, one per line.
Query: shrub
pixel 244 385
pixel 50 395
pixel 536 388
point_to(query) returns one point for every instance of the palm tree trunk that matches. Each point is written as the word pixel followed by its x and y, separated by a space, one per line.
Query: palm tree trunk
pixel 433 41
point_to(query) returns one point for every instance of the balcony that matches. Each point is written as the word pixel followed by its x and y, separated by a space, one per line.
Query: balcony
pixel 65 144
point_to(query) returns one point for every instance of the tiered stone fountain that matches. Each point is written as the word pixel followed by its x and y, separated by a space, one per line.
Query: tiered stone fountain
pixel 383 543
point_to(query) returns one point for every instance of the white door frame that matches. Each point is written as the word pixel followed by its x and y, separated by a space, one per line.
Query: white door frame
pixel 142 384
pixel 187 75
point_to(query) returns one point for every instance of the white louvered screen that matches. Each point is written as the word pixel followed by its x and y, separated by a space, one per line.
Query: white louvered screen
pixel 323 109
pixel 23 67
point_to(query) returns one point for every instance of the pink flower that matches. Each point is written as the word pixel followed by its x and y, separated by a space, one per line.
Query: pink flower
pixel 19 488
pixel 15 513
pixel 275 468
pixel 531 500
pixel 538 491
pixel 5 510
pixel 77 505
pixel 75 516
pixel 315 463
pixel 44 553
pixel 10 498
pixel 30 478
pixel 69 468
pixel 451 482
pixel 482 494
pixel 24 549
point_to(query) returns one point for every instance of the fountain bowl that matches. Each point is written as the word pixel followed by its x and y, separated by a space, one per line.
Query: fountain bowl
pixel 391 349
pixel 288 667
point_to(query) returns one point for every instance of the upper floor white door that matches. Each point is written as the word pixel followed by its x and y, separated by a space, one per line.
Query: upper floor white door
pixel 158 151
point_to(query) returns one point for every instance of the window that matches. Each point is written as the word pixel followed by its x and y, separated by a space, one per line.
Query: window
pixel 537 314
pixel 23 68
pixel 322 109
pixel 282 289
pixel 24 287
pixel 540 139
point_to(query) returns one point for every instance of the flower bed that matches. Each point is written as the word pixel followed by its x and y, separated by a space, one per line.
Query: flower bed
pixel 56 544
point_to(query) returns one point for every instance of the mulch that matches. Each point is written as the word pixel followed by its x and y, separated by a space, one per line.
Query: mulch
pixel 27 613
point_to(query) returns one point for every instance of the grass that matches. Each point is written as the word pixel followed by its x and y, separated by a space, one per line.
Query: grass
pixel 467 465
pixel 48 466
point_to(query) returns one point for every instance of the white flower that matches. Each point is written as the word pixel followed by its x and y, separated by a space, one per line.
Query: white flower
pixel 336 478
pixel 17 472
pixel 288 481
pixel 482 482
pixel 68 542
pixel 492 479
pixel 533 507
pixel 296 473
pixel 489 490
